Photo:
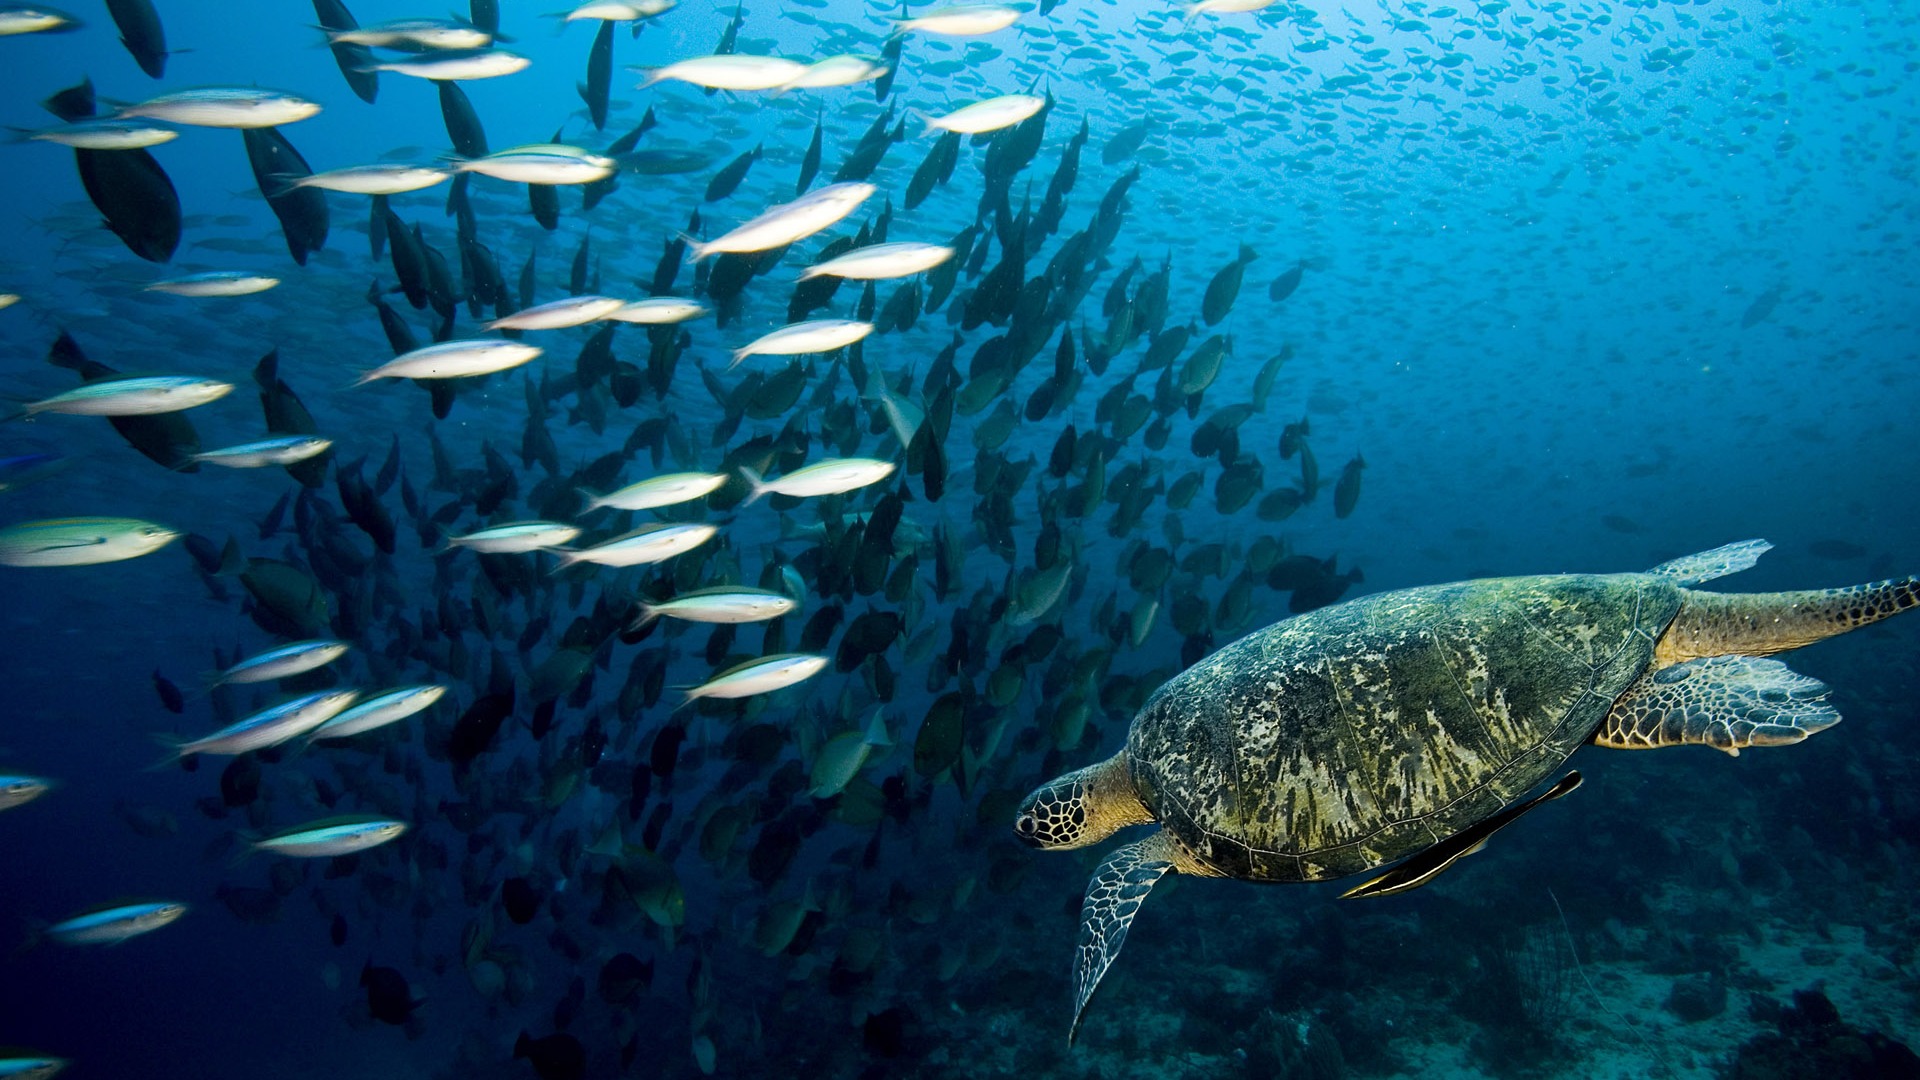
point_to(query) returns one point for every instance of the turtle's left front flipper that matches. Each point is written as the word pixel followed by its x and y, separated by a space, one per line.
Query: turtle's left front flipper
pixel 1726 702
pixel 1114 896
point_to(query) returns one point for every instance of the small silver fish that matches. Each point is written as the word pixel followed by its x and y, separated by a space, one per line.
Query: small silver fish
pixel 81 541
pixel 649 544
pixel 284 662
pixel 111 925
pixel 278 450
pixel 133 395
pixel 719 604
pixel 271 726
pixel 387 707
pixel 762 676
pixel 332 837
pixel 223 107
pixel 516 538
pixel 17 790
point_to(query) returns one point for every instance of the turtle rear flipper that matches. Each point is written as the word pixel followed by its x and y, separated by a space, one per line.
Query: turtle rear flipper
pixel 1718 563
pixel 1726 702
pixel 1114 897
pixel 1760 624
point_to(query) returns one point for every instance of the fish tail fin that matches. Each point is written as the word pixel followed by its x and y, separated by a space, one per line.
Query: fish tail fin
pixel 648 613
pixel 36 932
pixel 245 844
pixel 233 561
pixel 286 183
pixel 176 750
pixel 593 499
pixel 563 558
pixel 756 487
pixel 694 247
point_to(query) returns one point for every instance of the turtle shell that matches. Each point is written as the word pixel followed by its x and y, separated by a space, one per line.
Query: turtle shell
pixel 1355 735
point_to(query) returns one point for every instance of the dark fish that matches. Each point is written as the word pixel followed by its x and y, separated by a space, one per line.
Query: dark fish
pixel 1620 523
pixel 1836 549
pixel 286 414
pixel 1224 289
pixel 1428 864
pixel 937 746
pixel 170 695
pixel 337 932
pixel 555 1057
pixel 664 162
pixel 519 898
pixel 599 75
pixel 286 599
pixel 240 781
pixel 728 178
pixel 129 188
pixel 1762 306
pixel 1284 285
pixel 251 905
pixel 1127 141
pixel 543 201
pixel 302 211
pixel 141 33
pixel 665 753
pixel 810 164
pixel 934 169
pixel 389 999
pixel 1346 490
pixel 474 732
pixel 355 61
pixel 623 978
pixel 463 124
pixel 884 1032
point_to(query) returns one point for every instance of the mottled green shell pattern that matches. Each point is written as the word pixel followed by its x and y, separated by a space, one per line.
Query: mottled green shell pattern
pixel 1355 735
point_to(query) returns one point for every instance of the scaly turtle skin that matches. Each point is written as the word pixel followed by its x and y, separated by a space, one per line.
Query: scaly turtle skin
pixel 1411 724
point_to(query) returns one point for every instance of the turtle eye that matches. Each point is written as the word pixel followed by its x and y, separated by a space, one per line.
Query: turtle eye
pixel 1026 826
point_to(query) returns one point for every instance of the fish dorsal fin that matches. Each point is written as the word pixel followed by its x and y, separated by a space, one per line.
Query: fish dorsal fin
pixel 1728 559
pixel 1429 864
pixel 1114 897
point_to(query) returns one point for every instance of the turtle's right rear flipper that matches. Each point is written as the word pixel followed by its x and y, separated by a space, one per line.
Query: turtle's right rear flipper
pixel 1761 624
pixel 1726 702
pixel 1114 896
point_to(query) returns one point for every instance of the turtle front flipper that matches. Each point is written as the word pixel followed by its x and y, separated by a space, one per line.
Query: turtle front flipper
pixel 1114 897
pixel 1428 864
pixel 1760 624
pixel 1726 702
pixel 1718 563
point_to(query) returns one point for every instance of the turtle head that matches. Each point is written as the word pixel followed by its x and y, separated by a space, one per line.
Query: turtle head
pixel 1083 807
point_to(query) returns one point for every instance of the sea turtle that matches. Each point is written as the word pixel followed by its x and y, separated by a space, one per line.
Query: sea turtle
pixel 1410 724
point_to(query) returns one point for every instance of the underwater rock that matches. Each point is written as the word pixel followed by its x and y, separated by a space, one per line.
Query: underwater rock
pixel 1701 997
pixel 1813 1042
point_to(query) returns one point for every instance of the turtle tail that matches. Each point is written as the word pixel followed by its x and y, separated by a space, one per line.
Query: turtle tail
pixel 1759 624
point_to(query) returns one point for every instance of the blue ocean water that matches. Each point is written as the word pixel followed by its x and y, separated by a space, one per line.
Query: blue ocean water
pixel 1588 286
